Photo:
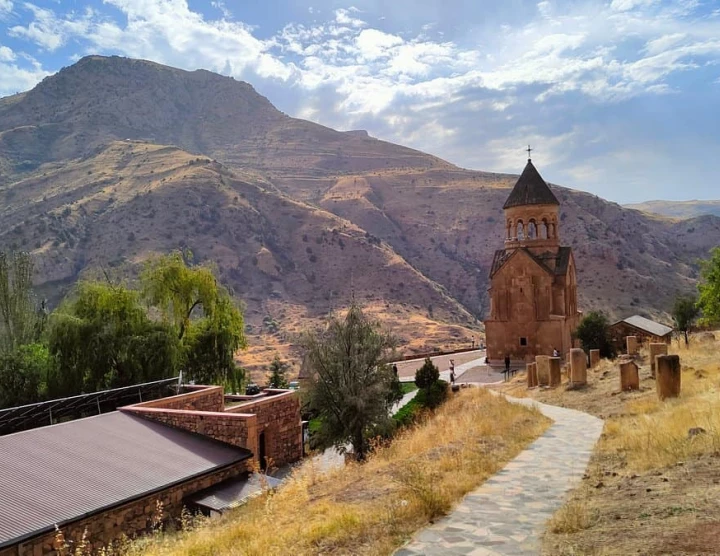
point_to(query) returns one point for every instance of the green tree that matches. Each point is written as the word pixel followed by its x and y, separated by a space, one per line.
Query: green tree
pixel 427 375
pixel 350 380
pixel 208 323
pixel 685 311
pixel 278 370
pixel 21 321
pixel 101 337
pixel 594 333
pixel 23 375
pixel 709 288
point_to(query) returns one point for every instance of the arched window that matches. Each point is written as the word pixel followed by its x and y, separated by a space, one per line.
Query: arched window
pixel 543 231
pixel 509 229
pixel 553 231
pixel 520 230
pixel 532 230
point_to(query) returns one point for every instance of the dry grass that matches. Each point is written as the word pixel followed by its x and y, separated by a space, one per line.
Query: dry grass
pixel 651 487
pixel 373 508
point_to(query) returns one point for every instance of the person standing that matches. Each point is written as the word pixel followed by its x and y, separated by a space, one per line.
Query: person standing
pixel 556 353
pixel 507 363
pixel 452 371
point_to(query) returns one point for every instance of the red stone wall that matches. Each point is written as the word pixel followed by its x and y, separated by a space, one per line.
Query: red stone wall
pixel 278 416
pixel 238 429
pixel 130 519
pixel 199 398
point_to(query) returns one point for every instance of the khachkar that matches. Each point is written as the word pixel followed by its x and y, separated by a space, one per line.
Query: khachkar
pixel 533 288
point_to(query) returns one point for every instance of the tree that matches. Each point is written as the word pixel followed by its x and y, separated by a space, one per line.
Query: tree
pixel 23 375
pixel 709 288
pixel 209 325
pixel 350 380
pixel 278 369
pixel 594 333
pixel 101 337
pixel 685 311
pixel 20 320
pixel 427 375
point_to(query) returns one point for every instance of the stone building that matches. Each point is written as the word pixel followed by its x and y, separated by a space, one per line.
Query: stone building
pixel 645 330
pixel 104 475
pixel 533 288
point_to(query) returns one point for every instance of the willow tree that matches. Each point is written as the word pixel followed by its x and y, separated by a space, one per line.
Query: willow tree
pixel 208 323
pixel 350 385
pixel 21 321
pixel 101 337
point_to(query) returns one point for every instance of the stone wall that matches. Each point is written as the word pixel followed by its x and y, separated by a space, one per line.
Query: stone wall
pixel 238 429
pixel 199 398
pixel 278 416
pixel 130 519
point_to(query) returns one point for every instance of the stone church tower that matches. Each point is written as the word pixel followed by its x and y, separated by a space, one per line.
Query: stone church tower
pixel 533 289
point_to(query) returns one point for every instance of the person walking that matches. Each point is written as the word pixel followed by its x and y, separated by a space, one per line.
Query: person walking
pixel 452 371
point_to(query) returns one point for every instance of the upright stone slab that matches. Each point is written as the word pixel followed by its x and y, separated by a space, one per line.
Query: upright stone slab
pixel 532 378
pixel 629 376
pixel 594 358
pixel 555 371
pixel 668 375
pixel 631 343
pixel 578 366
pixel 655 350
pixel 543 369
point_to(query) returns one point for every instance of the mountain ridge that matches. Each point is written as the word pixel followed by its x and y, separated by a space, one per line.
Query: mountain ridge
pixel 421 230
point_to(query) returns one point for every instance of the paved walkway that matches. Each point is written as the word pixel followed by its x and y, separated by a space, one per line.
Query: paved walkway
pixel 507 514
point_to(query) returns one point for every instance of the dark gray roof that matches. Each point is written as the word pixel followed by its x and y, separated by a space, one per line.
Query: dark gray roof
pixel 233 492
pixel 60 473
pixel 530 189
pixel 545 260
pixel 652 327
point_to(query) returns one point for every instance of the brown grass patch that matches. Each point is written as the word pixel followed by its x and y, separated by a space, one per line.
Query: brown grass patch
pixel 373 508
pixel 651 486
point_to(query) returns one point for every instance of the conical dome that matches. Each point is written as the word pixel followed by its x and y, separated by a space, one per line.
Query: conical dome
pixel 530 189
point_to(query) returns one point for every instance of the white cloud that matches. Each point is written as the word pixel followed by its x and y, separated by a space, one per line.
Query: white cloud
pixel 627 5
pixel 6 7
pixel 13 77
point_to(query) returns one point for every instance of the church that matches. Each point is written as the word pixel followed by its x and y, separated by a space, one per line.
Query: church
pixel 533 288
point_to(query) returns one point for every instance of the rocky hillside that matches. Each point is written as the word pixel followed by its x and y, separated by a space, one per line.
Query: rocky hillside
pixel 112 160
pixel 679 209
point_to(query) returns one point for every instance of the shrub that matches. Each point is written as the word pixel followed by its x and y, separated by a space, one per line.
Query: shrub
pixel 408 413
pixel 434 395
pixel 426 375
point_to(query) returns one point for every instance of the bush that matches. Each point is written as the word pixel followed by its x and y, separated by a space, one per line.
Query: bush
pixel 408 413
pixel 434 395
pixel 594 333
pixel 426 375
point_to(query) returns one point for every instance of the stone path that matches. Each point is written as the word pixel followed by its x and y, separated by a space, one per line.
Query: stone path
pixel 507 514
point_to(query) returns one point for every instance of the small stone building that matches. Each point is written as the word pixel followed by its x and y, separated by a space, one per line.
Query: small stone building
pixel 106 474
pixel 646 331
pixel 533 286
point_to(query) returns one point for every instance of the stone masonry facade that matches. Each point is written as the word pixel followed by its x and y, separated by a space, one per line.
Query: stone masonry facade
pixel 127 520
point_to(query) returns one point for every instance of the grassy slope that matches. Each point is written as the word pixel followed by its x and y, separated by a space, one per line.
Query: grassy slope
pixel 651 487
pixel 375 507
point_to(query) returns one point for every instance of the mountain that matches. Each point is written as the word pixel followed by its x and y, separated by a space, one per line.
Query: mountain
pixel 679 209
pixel 112 160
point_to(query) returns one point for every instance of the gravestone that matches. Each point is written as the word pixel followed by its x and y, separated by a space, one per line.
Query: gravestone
pixel 578 366
pixel 555 371
pixel 668 376
pixel 594 358
pixel 631 343
pixel 629 377
pixel 655 350
pixel 532 378
pixel 543 369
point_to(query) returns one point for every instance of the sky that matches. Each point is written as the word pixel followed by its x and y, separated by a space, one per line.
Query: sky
pixel 620 98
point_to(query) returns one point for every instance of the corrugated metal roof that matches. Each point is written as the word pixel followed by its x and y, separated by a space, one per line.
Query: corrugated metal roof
pixel 232 492
pixel 648 325
pixel 59 473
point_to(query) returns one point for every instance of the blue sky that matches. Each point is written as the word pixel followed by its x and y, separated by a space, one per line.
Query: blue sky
pixel 617 97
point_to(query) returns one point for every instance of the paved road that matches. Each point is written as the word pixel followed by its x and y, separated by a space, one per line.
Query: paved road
pixel 507 514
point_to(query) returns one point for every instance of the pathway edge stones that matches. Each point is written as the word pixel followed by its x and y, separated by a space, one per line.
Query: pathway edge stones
pixel 507 514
